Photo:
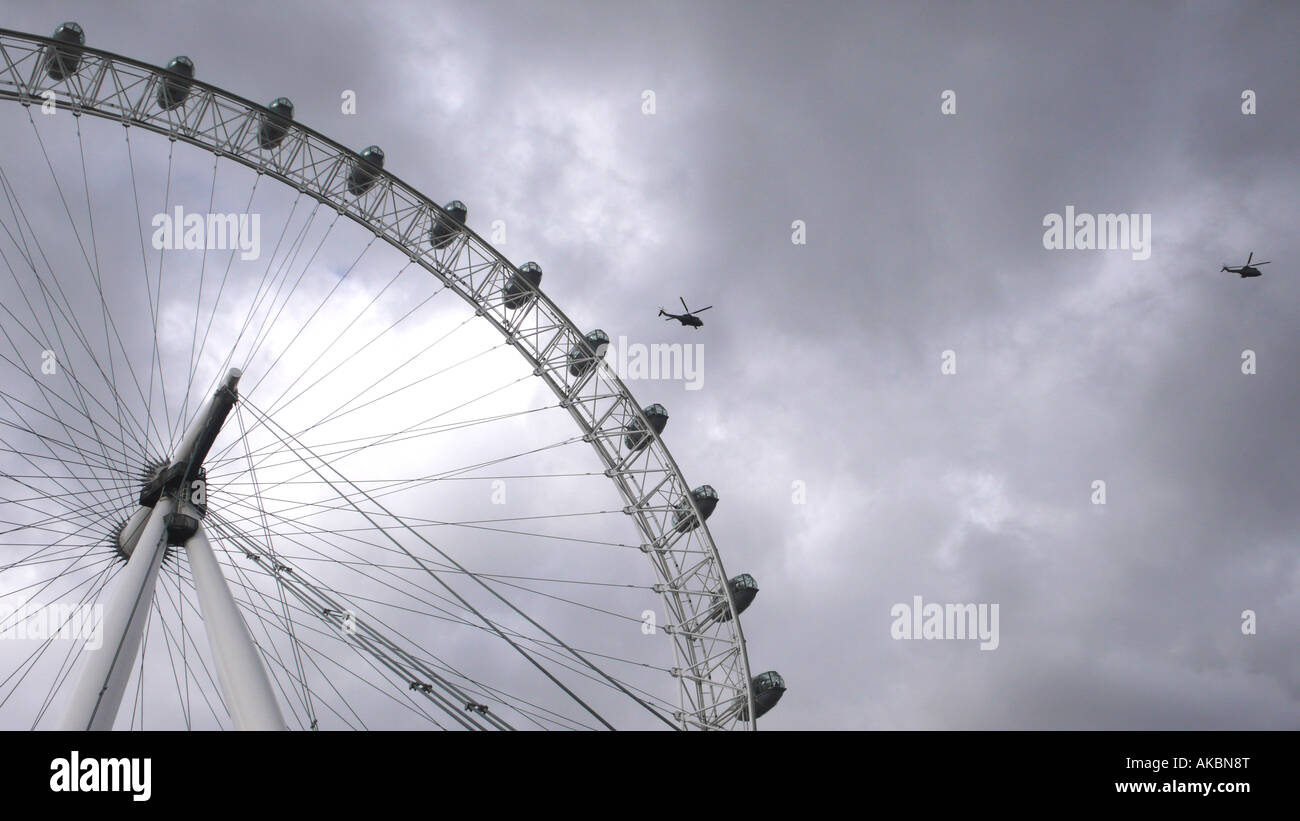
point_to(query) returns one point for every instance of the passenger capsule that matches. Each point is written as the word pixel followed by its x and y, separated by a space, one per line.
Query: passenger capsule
pixel 706 499
pixel 743 591
pixel 637 438
pixel 767 689
pixel 275 125
pixel 584 356
pixel 175 85
pixel 62 60
pixel 521 285
pixel 365 170
pixel 445 230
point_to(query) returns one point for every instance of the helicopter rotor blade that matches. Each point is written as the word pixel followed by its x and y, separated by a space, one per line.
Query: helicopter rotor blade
pixel 1249 256
pixel 702 310
pixel 684 308
pixel 1261 263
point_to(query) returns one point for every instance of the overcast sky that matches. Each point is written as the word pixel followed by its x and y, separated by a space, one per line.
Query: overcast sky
pixel 924 234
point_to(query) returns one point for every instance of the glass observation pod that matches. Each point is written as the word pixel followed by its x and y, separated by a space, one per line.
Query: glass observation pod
pixel 743 590
pixel 584 355
pixel 637 438
pixel 275 125
pixel 445 230
pixel 365 171
pixel 706 499
pixel 517 291
pixel 767 689
pixel 63 60
pixel 175 87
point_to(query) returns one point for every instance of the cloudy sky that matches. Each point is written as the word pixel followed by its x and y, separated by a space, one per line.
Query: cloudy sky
pixel 924 234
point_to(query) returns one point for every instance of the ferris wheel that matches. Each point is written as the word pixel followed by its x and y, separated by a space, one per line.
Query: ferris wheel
pixel 285 444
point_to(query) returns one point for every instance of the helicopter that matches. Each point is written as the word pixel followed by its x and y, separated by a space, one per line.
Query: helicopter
pixel 688 317
pixel 1246 270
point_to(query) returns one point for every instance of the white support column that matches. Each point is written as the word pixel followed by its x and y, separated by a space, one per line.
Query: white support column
pixel 105 671
pixel 98 694
pixel 243 679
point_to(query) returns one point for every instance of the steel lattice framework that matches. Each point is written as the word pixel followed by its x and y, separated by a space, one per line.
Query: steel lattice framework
pixel 712 664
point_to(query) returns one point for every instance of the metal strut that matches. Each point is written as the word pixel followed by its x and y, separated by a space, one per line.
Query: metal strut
pixel 168 516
